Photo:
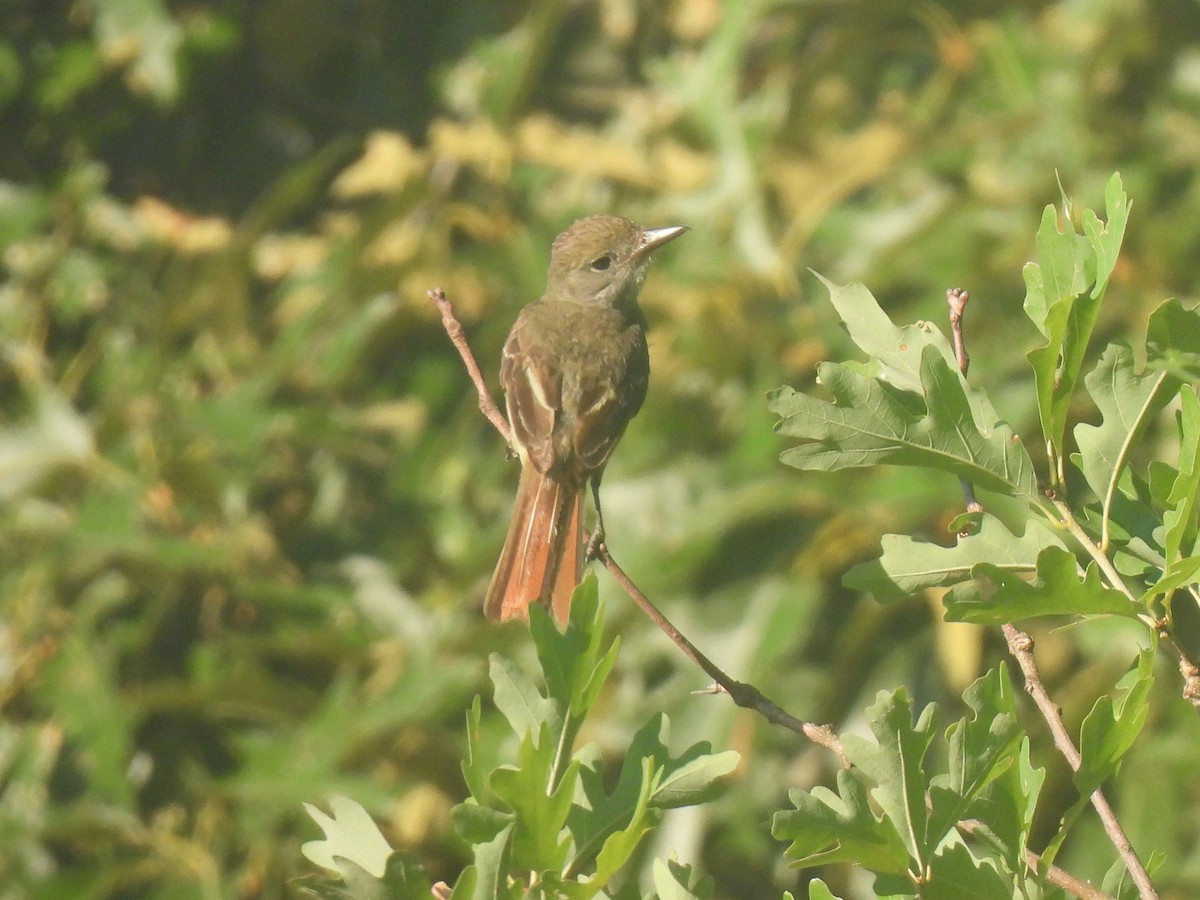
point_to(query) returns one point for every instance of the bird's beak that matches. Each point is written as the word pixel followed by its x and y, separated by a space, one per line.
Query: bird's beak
pixel 653 238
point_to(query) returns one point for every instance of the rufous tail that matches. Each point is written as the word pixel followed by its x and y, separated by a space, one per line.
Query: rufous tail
pixel 542 559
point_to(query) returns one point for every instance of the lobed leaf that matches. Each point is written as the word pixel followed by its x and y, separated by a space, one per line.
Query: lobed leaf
pixel 872 422
pixel 572 662
pixel 1056 303
pixel 908 565
pixel 350 835
pixel 1173 340
pixel 650 779
pixel 520 701
pixel 1112 726
pixel 1126 401
pixel 674 880
pixel 1179 520
pixel 997 595
pixel 541 811
pixel 895 762
pixel 826 828
pixel 981 747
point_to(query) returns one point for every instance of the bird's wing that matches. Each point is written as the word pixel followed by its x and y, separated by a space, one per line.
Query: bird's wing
pixel 604 404
pixel 533 395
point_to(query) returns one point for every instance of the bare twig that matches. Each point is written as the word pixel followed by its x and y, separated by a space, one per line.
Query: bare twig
pixel 1065 880
pixel 957 299
pixel 744 695
pixel 1020 645
pixel 454 330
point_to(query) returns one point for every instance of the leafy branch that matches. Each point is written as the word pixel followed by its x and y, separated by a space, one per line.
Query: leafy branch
pixel 745 695
pixel 1129 550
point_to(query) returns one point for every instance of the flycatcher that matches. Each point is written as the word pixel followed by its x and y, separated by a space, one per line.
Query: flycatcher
pixel 574 371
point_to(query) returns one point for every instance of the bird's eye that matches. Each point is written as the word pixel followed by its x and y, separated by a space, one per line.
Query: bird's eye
pixel 600 263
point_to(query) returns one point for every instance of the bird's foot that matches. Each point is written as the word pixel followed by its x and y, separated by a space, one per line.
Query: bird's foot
pixel 595 545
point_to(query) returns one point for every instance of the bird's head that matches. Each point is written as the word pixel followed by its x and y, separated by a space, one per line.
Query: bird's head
pixel 603 260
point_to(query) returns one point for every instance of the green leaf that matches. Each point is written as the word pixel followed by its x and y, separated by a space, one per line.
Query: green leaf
pixel 538 841
pixel 908 565
pixel 981 747
pixel 668 782
pixel 1173 340
pixel 818 890
pixel 872 423
pixel 1117 882
pixel 1126 402
pixel 1179 573
pixel 1060 273
pixel 896 764
pixel 350 834
pixel 894 352
pixel 827 828
pixel 474 768
pixel 1106 239
pixel 520 701
pixel 1179 520
pixel 486 878
pixel 674 880
pixel 1056 303
pixel 955 873
pixel 1112 726
pixel 478 824
pixel 909 405
pixel 572 662
pixel 621 842
pixel 997 595
pixel 403 879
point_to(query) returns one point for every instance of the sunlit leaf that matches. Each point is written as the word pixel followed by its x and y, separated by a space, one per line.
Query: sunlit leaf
pixel 520 700
pixel 676 881
pixel 895 762
pixel 541 799
pixel 1173 340
pixel 1113 725
pixel 350 834
pixel 981 747
pixel 872 423
pixel 998 594
pixel 826 828
pixel 908 565
pixel 1057 304
pixel 1126 402
pixel 1179 520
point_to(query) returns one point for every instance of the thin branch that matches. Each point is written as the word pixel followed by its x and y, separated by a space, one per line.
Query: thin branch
pixel 454 330
pixel 744 695
pixel 1020 645
pixel 1065 880
pixel 956 299
pixel 1191 686
pixel 1093 550
pixel 1053 874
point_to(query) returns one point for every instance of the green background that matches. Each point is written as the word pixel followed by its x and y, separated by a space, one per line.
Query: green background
pixel 248 505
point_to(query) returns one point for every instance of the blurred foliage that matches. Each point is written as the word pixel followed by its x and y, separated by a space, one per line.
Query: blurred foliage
pixel 248 505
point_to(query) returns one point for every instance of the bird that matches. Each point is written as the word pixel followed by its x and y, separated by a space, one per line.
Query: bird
pixel 574 369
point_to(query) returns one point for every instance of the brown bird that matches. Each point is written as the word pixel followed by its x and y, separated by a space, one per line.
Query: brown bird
pixel 574 371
